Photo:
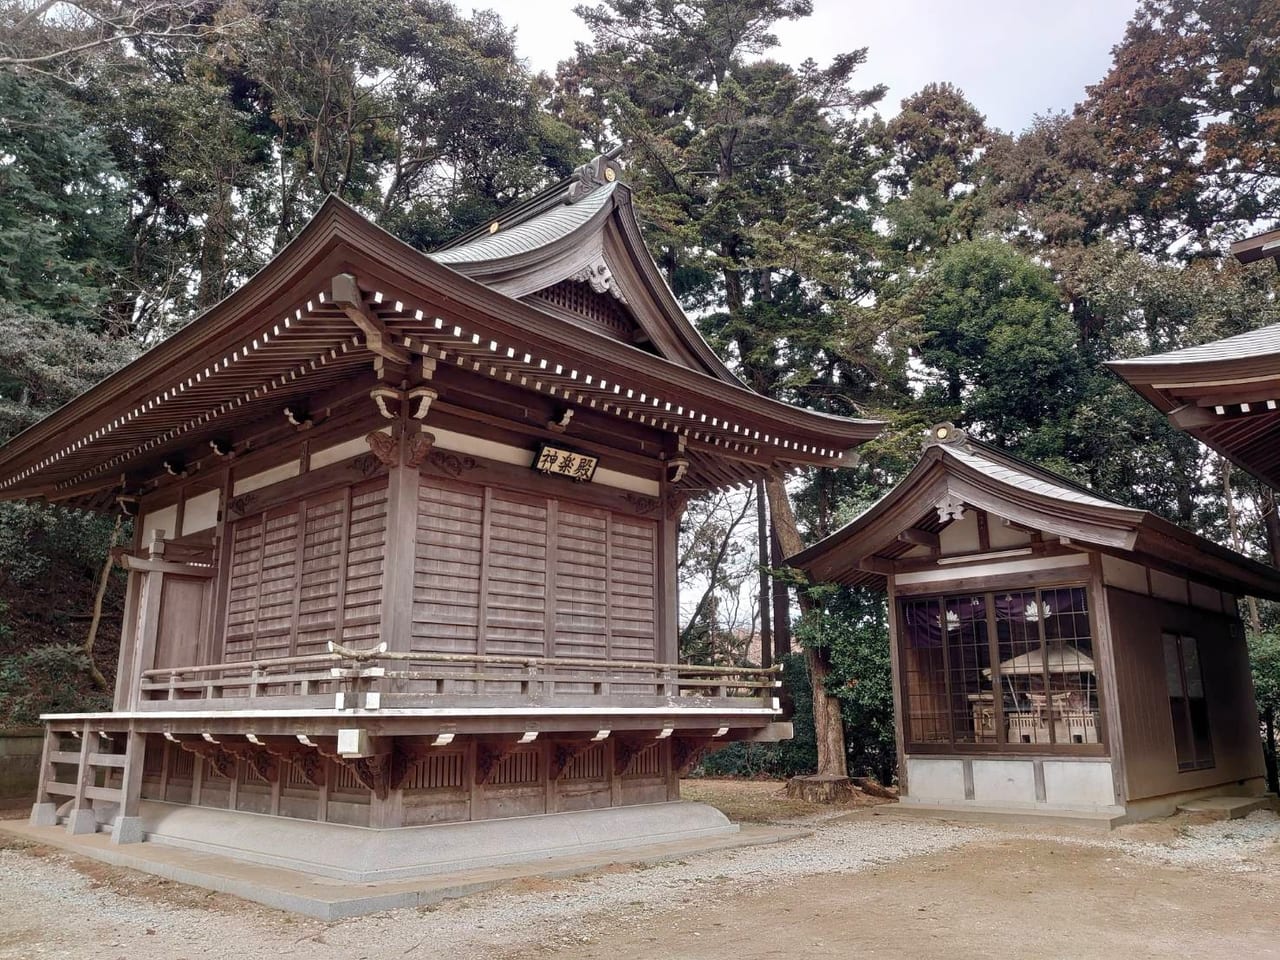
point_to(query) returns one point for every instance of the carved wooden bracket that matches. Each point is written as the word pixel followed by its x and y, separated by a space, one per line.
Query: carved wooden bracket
pixel 258 757
pixel 626 750
pixel 687 751
pixel 419 445
pixel 372 772
pixel 489 756
pixel 212 754
pixel 385 447
pixel 308 760
pixel 564 752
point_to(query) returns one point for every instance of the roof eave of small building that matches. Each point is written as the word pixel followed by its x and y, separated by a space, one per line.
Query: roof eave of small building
pixel 1110 528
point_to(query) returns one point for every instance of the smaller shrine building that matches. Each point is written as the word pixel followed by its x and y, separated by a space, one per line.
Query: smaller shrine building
pixel 1053 651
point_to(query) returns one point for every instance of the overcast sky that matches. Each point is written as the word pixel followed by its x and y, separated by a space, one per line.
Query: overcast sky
pixel 1013 58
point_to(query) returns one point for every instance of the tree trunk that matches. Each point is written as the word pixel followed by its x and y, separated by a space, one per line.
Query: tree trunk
pixel 1271 522
pixel 828 728
pixel 781 603
pixel 1269 750
pixel 1237 541
pixel 99 681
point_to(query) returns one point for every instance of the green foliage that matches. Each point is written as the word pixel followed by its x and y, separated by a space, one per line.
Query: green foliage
pixel 789 758
pixel 52 678
pixel 852 625
pixel 1264 656
pixel 61 205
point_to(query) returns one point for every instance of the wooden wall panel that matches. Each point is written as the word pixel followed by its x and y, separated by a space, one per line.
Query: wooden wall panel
pixel 446 589
pixel 323 533
pixel 581 591
pixel 487 559
pixel 515 576
pixel 633 571
pixel 305 573
pixel 1146 726
pixel 366 546
pixel 181 627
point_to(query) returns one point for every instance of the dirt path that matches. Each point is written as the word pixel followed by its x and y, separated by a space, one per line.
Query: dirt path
pixel 861 885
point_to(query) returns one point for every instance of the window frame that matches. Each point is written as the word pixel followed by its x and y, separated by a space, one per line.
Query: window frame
pixel 1001 748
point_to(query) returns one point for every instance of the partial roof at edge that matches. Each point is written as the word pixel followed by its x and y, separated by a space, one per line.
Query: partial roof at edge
pixel 989 479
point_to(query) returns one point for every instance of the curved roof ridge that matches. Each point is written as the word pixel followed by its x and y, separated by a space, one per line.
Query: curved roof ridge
pixel 547 226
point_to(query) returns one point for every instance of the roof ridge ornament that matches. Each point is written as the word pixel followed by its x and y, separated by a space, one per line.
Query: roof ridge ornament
pixel 600 171
pixel 600 278
pixel 946 432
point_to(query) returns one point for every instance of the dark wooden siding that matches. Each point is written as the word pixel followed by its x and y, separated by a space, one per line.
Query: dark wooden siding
pixel 1146 726
pixel 488 560
pixel 305 573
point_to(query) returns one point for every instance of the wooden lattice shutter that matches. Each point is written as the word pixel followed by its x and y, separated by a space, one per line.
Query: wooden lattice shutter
pixel 632 588
pixel 581 607
pixel 446 590
pixel 516 576
pixel 323 546
pixel 366 549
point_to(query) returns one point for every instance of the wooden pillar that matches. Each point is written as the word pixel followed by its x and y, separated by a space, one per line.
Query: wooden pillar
pixel 44 812
pixel 197 779
pixel 81 819
pixel 128 825
pixel 1104 659
pixel 144 645
pixel 401 545
pixel 899 691
pixel 668 585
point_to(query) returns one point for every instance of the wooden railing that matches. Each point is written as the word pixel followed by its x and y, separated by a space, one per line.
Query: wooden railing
pixel 379 680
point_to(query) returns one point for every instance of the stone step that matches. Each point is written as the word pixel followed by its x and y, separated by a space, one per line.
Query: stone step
pixel 1227 808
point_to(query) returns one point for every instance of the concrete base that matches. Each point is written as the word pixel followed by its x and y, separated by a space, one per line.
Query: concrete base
pixel 81 821
pixel 327 899
pixel 1101 819
pixel 44 815
pixel 1228 808
pixel 1148 808
pixel 127 830
pixel 362 854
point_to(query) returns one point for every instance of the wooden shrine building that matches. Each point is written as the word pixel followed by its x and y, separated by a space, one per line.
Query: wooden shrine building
pixel 405 550
pixel 1052 650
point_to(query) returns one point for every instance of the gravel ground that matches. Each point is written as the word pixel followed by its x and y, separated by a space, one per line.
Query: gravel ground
pixel 55 906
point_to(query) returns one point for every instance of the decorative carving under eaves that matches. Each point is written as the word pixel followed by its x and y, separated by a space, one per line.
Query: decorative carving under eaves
pixel 372 772
pixel 385 447
pixel 308 760
pixel 259 758
pixel 626 751
pixel 564 753
pixel 599 277
pixel 451 463
pixel 488 758
pixel 242 505
pixel 642 504
pixel 686 752
pixel 213 754
pixel 419 446
pixel 949 508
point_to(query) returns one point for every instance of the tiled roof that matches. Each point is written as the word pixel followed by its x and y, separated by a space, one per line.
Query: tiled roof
pixel 1255 343
pixel 1009 471
pixel 540 230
